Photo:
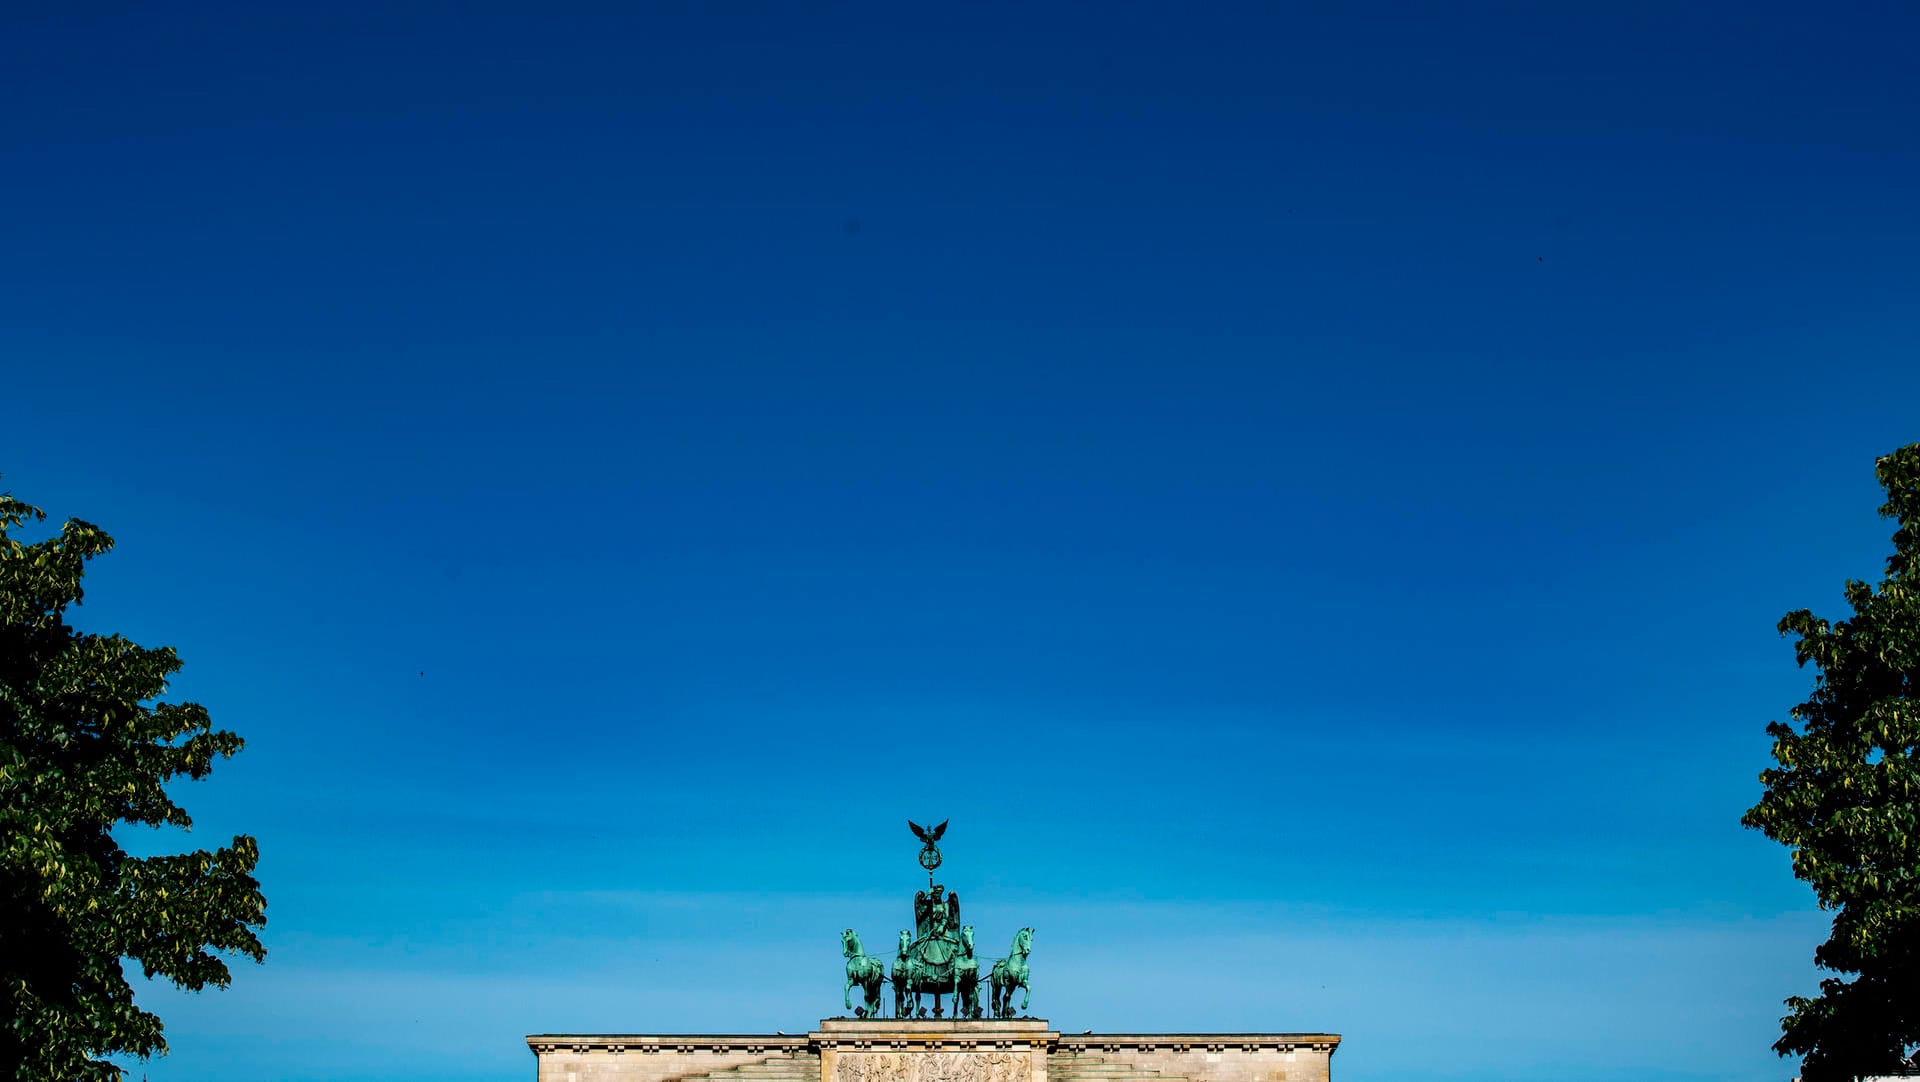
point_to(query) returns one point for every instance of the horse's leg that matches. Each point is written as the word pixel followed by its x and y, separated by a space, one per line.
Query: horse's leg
pixel 1026 995
pixel 845 993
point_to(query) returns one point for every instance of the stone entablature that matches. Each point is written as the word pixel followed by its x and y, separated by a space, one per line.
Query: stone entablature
pixel 888 1050
pixel 1023 1033
pixel 1204 1042
pixel 747 1044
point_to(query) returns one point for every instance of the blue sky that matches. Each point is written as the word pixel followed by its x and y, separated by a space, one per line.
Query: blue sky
pixel 1307 492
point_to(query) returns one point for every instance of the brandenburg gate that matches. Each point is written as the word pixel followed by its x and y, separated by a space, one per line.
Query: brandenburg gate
pixel 925 1038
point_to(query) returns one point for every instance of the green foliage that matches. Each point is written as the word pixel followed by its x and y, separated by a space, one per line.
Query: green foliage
pixel 82 747
pixel 1846 798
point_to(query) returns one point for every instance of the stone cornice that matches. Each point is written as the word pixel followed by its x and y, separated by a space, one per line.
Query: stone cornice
pixel 888 1034
pixel 1202 1042
pixel 752 1044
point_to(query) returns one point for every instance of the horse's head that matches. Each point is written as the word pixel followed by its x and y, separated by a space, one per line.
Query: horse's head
pixel 850 944
pixel 966 938
pixel 1023 941
pixel 906 942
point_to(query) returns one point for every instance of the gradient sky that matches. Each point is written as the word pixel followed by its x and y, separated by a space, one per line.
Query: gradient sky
pixel 1307 491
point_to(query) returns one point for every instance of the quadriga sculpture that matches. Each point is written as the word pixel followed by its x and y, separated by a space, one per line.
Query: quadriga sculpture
pixel 937 957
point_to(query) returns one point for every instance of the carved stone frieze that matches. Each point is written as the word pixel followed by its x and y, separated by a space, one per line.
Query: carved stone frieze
pixel 932 1067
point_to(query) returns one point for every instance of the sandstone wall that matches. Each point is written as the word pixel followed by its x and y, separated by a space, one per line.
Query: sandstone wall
pixel 1022 1050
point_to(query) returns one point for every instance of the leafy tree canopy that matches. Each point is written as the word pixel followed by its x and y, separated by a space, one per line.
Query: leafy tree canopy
pixel 83 746
pixel 1845 798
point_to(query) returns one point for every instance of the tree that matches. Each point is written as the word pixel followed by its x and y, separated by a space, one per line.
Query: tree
pixel 1845 798
pixel 83 746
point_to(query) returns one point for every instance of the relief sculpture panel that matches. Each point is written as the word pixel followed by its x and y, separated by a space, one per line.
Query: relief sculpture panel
pixel 932 1067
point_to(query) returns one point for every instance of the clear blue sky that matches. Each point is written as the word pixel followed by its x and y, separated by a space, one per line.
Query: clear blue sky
pixel 1307 491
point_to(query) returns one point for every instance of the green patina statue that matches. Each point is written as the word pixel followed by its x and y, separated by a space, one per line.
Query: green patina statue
pixel 930 851
pixel 934 957
pixel 1010 973
pixel 937 957
pixel 966 978
pixel 864 970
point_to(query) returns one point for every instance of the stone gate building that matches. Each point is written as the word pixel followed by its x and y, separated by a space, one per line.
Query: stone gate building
pixel 901 1050
pixel 981 1040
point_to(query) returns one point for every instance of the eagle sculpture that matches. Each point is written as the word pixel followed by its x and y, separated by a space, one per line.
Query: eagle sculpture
pixel 929 836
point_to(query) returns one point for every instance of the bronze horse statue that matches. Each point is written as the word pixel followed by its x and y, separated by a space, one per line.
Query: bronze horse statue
pixel 864 970
pixel 1010 973
pixel 906 1002
pixel 966 978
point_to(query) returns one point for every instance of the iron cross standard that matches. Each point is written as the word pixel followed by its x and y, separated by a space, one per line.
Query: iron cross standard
pixel 930 852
